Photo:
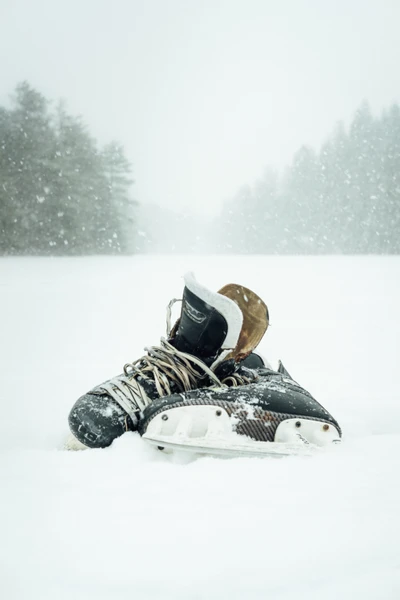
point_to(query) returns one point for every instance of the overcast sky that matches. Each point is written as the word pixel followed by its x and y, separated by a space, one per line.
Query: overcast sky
pixel 204 94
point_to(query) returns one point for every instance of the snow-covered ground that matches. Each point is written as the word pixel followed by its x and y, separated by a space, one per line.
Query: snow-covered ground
pixel 127 522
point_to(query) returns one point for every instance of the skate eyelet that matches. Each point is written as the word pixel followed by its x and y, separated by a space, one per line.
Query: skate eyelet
pixel 298 424
pixel 325 427
pixel 128 369
pixel 164 417
pixel 218 413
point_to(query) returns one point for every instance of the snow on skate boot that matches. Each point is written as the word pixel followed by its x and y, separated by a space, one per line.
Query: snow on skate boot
pixel 272 416
pixel 254 411
pixel 207 331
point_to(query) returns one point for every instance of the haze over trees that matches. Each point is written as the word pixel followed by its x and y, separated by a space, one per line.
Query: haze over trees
pixel 343 199
pixel 59 192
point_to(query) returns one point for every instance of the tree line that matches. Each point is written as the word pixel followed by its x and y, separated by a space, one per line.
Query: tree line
pixel 59 192
pixel 62 194
pixel 343 199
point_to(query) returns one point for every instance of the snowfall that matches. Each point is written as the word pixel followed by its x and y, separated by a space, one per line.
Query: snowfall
pixel 131 522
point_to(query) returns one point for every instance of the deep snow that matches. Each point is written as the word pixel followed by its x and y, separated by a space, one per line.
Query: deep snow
pixel 128 522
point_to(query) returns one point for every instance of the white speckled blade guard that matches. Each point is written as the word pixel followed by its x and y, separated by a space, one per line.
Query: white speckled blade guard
pixel 209 429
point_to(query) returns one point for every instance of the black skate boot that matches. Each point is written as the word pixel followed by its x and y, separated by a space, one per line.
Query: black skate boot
pixel 257 410
pixel 208 330
pixel 222 325
pixel 272 415
pixel 209 325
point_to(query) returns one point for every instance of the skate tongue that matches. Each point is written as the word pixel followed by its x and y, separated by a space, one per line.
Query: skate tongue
pixel 255 319
pixel 209 322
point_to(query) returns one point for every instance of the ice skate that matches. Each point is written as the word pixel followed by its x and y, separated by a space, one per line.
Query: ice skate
pixel 204 391
pixel 210 334
pixel 272 415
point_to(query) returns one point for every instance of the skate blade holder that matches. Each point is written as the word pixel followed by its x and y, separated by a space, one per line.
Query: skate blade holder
pixel 307 431
pixel 209 430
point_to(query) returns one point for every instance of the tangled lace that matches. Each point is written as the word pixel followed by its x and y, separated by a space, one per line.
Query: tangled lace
pixel 165 366
pixel 235 380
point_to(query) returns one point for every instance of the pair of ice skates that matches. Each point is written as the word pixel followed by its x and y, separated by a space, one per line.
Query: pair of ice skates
pixel 204 390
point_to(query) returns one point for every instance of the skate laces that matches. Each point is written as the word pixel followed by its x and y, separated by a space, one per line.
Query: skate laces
pixel 236 379
pixel 165 366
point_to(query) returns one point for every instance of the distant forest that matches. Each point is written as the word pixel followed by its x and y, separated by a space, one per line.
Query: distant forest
pixel 60 194
pixel 343 199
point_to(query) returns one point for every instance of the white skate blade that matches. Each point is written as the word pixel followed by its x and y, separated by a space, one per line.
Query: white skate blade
pixel 232 447
pixel 207 429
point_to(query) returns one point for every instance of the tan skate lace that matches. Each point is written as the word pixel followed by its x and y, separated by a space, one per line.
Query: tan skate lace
pixel 235 380
pixel 162 364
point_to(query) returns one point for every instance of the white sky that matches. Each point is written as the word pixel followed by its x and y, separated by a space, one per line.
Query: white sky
pixel 204 94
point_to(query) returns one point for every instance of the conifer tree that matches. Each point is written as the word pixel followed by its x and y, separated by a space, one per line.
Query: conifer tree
pixel 59 193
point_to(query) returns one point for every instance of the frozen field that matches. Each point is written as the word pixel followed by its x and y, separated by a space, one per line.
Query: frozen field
pixel 127 522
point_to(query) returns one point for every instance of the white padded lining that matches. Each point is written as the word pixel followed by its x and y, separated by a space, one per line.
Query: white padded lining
pixel 227 307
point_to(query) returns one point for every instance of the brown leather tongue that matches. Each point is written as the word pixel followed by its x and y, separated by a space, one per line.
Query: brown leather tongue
pixel 255 319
